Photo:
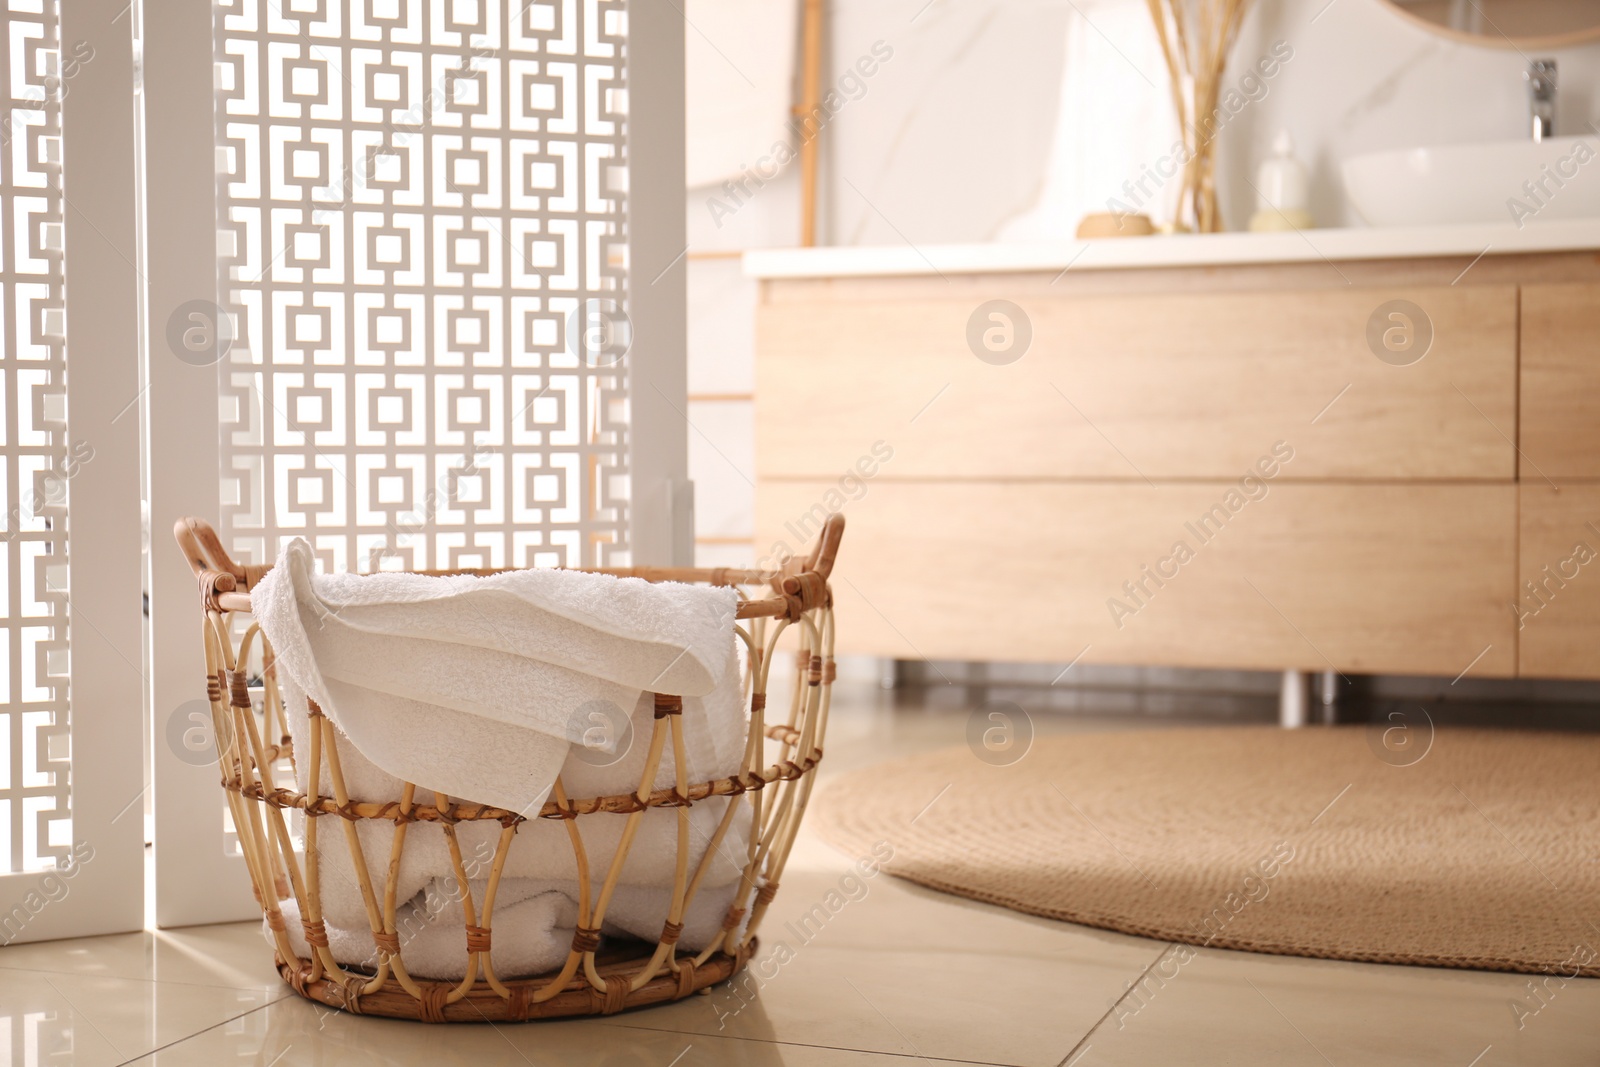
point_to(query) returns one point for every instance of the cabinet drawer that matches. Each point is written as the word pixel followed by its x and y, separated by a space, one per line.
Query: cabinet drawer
pixel 1369 578
pixel 1159 385
pixel 1560 430
pixel 1558 582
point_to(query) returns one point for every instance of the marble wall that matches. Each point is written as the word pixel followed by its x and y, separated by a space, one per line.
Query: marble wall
pixel 953 138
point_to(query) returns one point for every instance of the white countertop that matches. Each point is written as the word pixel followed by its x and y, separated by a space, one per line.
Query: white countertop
pixel 1186 250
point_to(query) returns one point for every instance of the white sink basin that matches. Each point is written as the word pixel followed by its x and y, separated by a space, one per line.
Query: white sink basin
pixel 1501 181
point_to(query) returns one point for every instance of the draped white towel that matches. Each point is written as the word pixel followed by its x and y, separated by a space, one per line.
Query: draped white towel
pixel 475 687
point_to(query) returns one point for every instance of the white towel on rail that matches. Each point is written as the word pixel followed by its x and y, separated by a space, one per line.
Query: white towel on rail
pixel 738 86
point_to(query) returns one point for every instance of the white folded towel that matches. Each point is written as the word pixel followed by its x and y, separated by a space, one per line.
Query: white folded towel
pixel 714 730
pixel 531 933
pixel 530 937
pixel 536 903
pixel 542 852
pixel 476 686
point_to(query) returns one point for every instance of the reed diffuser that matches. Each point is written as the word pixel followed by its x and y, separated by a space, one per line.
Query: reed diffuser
pixel 1196 36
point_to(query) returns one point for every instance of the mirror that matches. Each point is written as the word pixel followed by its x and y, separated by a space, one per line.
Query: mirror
pixel 1507 23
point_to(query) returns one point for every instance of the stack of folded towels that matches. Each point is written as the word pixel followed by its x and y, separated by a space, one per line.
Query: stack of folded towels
pixel 485 690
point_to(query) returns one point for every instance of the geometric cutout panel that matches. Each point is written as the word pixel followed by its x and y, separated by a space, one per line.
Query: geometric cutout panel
pixel 422 242
pixel 36 460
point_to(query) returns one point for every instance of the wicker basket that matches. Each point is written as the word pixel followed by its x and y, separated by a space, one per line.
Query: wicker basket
pixel 775 781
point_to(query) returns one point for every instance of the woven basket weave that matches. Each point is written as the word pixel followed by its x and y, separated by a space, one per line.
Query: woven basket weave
pixel 600 976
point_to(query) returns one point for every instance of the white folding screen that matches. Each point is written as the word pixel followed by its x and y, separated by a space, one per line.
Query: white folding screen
pixel 446 238
pixel 70 677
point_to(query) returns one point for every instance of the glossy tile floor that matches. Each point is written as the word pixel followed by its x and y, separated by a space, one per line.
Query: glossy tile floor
pixel 899 975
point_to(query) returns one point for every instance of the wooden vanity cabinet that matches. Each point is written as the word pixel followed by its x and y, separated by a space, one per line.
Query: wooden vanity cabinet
pixel 1105 496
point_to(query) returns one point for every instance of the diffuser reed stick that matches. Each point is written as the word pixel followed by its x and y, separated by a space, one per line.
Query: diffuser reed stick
pixel 1196 37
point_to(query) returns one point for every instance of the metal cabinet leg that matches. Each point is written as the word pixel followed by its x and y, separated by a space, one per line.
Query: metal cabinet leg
pixel 888 673
pixel 1294 700
pixel 1328 696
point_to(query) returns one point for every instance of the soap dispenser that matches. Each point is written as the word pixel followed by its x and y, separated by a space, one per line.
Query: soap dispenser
pixel 1281 190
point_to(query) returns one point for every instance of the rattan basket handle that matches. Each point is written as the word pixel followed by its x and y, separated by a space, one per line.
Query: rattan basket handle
pixel 203 548
pixel 826 550
pixel 801 586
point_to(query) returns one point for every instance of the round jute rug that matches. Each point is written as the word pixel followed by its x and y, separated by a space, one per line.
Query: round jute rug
pixel 1465 848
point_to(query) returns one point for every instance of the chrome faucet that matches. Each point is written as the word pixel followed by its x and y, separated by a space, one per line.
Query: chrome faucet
pixel 1541 79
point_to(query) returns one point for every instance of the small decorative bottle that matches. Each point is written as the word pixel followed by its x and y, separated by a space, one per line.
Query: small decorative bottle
pixel 1281 181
